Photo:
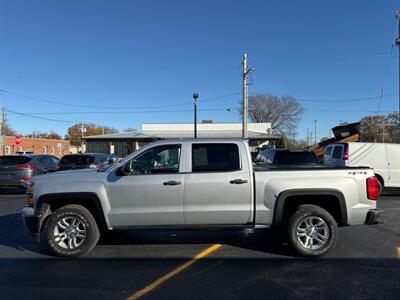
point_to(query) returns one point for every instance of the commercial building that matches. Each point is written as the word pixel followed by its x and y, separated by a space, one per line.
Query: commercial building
pixel 259 134
pixel 35 145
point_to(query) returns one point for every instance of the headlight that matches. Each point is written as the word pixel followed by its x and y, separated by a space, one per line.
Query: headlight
pixel 29 193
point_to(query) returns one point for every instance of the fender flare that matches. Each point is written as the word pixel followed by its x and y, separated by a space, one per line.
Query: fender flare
pixel 283 196
pixel 43 210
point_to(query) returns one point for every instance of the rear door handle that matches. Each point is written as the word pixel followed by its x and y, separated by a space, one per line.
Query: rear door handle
pixel 172 182
pixel 238 181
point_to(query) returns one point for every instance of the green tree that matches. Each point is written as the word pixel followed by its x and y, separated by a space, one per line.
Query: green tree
pixel 281 143
pixel 74 133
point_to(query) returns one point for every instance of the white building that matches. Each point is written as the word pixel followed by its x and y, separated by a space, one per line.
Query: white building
pixel 259 134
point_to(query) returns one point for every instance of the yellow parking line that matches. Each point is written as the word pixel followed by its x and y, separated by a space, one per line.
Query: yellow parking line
pixel 167 276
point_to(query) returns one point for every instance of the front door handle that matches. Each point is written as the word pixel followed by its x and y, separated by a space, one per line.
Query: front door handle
pixel 238 181
pixel 172 182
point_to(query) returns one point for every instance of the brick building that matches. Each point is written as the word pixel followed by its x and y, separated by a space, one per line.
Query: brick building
pixel 36 145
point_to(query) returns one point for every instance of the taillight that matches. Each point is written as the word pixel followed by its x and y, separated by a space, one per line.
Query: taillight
pixel 26 167
pixel 29 193
pixel 346 155
pixel 95 166
pixel 372 188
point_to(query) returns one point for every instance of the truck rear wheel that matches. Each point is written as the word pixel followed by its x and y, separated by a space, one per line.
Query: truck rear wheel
pixel 71 231
pixel 312 231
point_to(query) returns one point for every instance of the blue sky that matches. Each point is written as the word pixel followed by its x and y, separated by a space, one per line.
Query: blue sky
pixel 115 56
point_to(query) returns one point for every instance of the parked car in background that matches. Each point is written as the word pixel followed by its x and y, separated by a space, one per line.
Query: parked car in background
pixel 82 161
pixel 17 170
pixel 287 158
pixel 383 158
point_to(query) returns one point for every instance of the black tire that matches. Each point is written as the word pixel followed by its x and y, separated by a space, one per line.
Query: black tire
pixel 328 230
pixel 87 224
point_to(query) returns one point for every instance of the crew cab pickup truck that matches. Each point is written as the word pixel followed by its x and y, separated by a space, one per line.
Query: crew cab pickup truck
pixel 199 183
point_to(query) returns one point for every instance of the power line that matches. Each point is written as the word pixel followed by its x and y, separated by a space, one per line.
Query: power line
pixel 113 107
pixel 386 71
pixel 126 111
pixel 36 117
pixel 340 100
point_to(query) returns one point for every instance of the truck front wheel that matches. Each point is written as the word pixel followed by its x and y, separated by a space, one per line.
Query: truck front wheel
pixel 312 231
pixel 71 231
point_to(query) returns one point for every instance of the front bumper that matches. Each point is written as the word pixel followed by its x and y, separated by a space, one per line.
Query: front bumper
pixel 32 223
pixel 374 216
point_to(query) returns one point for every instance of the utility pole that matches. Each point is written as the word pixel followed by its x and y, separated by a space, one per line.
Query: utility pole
pixel 2 129
pixel 308 136
pixel 245 99
pixel 195 97
pixel 315 131
pixel 83 129
pixel 397 41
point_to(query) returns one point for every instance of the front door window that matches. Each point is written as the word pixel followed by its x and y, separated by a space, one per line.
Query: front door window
pixel 157 160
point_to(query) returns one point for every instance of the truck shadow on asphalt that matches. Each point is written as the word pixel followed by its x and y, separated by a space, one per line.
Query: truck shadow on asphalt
pixel 13 234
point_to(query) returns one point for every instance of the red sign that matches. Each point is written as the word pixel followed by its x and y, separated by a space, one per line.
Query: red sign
pixel 17 139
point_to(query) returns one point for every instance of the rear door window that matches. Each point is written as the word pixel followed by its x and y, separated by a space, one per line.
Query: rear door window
pixel 337 152
pixel 215 157
pixel 14 160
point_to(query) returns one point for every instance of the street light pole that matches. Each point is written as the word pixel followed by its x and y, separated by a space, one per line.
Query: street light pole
pixel 315 131
pixel 195 97
pixel 397 41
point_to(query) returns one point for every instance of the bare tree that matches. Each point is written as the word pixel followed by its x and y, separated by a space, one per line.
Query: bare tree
pixel 380 128
pixel 282 112
pixel 7 130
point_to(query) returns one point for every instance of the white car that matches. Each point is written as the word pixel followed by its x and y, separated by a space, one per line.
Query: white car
pixel 383 158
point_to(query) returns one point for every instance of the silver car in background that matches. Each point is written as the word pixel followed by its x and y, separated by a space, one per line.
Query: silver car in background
pixel 17 170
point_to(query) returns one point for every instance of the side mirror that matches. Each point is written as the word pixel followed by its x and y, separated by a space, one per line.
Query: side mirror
pixel 126 169
pixel 112 159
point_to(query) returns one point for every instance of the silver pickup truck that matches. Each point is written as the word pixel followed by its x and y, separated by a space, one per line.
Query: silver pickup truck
pixel 199 183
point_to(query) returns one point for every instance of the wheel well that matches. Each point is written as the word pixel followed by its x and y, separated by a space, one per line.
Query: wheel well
pixel 380 178
pixel 91 204
pixel 330 203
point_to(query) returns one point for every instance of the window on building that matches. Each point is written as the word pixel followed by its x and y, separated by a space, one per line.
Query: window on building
pixel 44 149
pixel 215 157
pixel 7 150
pixel 52 150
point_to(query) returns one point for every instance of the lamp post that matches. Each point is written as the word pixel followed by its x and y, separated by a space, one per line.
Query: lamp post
pixel 195 97
pixel 397 42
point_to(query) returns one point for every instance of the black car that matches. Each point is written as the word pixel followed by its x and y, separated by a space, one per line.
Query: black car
pixel 287 158
pixel 82 161
pixel 17 170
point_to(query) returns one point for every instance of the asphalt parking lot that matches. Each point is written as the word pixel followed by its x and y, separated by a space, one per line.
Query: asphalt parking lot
pixel 248 265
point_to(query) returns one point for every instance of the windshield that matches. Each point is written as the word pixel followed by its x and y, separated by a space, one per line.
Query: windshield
pixel 14 160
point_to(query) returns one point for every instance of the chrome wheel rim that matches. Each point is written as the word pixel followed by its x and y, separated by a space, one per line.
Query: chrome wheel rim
pixel 312 233
pixel 70 233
